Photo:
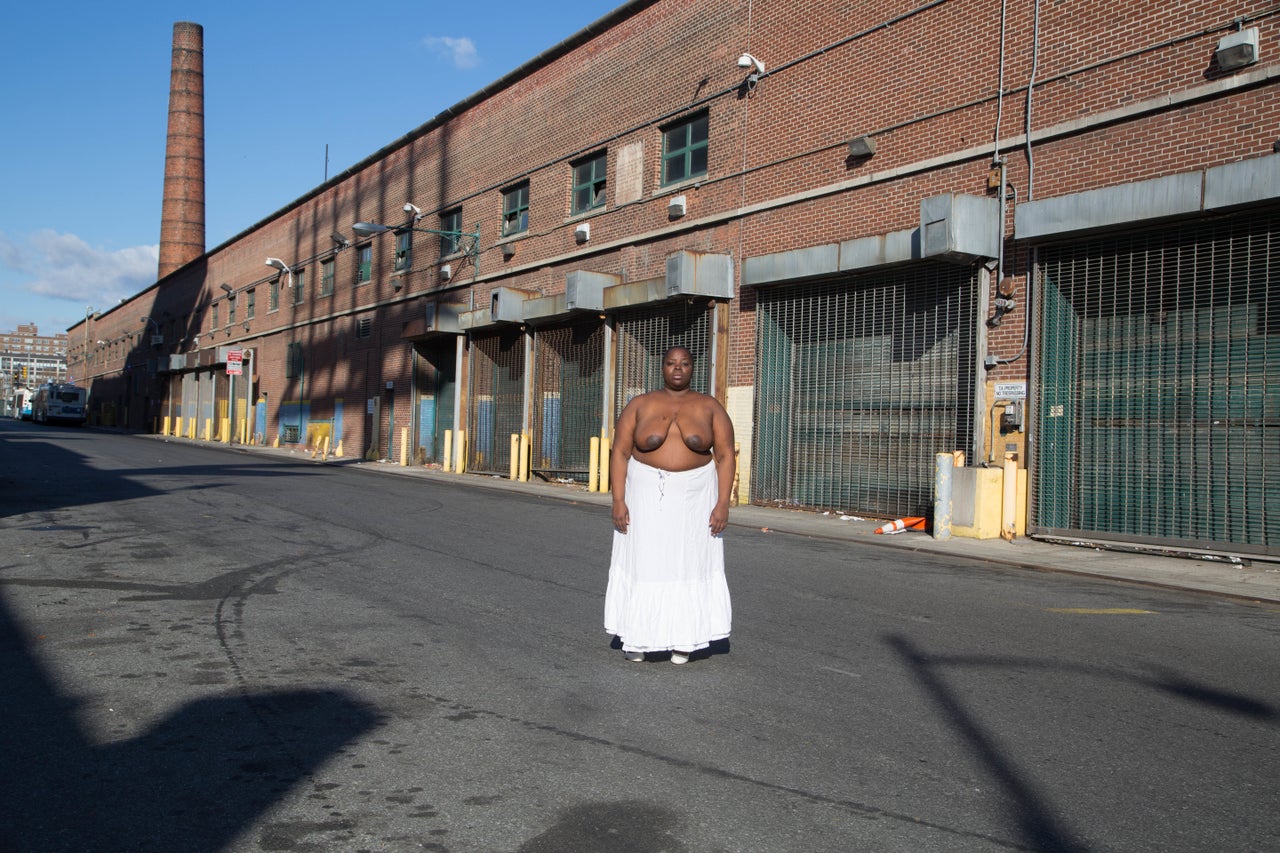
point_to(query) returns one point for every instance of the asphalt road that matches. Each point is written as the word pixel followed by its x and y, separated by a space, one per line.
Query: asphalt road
pixel 208 650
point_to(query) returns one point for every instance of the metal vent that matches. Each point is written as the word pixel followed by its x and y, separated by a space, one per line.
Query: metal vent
pixel 364 327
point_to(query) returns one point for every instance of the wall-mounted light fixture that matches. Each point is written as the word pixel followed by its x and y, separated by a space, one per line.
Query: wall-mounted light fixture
pixel 508 251
pixel 340 241
pixel 1238 49
pixel 749 61
pixel 282 266
pixel 467 242
pixel 446 272
pixel 583 232
pixel 676 207
pixel 230 293
pixel 245 325
pixel 158 337
pixel 411 208
pixel 861 146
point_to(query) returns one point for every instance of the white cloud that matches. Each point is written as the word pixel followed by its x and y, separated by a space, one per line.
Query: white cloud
pixel 459 51
pixel 63 266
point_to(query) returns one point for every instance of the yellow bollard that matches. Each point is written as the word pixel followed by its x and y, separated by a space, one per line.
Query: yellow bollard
pixel 462 451
pixel 526 445
pixel 606 457
pixel 177 427
pixel 447 462
pixel 1009 499
pixel 593 475
pixel 325 454
pixel 404 447
pixel 276 443
pixel 515 456
pixel 338 451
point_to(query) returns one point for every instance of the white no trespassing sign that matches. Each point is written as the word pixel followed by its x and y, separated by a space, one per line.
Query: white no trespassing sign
pixel 1011 390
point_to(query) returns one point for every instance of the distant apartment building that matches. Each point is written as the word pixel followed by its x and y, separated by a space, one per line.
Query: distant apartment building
pixel 29 358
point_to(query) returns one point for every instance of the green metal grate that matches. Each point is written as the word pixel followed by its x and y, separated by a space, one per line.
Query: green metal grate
pixel 860 381
pixel 1158 396
pixel 645 334
pixel 568 389
pixel 437 393
pixel 497 400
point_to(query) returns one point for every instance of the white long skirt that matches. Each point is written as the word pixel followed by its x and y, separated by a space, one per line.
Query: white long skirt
pixel 667 588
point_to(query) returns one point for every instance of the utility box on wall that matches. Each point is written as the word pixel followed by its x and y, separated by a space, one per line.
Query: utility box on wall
pixel 584 291
pixel 962 228
pixel 442 317
pixel 698 274
pixel 506 304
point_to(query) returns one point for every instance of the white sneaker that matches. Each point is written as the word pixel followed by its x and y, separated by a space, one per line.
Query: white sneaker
pixel 634 657
pixel 680 657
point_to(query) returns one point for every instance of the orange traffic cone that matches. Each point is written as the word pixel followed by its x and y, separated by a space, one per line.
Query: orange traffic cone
pixel 909 523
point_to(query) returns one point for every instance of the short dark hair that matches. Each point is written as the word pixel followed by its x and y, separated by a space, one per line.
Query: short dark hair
pixel 680 347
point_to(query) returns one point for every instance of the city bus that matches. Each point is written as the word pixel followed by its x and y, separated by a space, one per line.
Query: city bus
pixel 59 403
pixel 22 404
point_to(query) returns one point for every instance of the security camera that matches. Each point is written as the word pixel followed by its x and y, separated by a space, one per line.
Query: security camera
pixel 410 207
pixel 749 61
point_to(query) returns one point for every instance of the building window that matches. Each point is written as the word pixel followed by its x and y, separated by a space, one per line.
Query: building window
pixel 684 150
pixel 213 326
pixel 231 310
pixel 450 221
pixel 364 263
pixel 588 183
pixel 293 361
pixel 299 286
pixel 404 250
pixel 251 303
pixel 326 278
pixel 273 296
pixel 364 327
pixel 515 210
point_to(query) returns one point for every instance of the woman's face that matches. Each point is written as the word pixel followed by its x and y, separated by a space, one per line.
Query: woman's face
pixel 677 368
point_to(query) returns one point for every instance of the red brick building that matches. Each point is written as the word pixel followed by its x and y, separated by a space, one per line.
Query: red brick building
pixel 885 231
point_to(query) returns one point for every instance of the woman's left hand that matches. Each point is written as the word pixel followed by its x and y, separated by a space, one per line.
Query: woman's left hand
pixel 719 519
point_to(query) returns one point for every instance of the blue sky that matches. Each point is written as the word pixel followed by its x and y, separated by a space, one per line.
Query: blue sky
pixel 86 88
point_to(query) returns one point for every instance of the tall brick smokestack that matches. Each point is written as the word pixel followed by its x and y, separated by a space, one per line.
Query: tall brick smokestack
pixel 182 214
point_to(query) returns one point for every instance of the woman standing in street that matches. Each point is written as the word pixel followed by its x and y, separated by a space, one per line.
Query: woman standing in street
pixel 672 471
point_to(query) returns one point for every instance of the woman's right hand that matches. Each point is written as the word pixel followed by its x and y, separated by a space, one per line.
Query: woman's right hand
pixel 621 516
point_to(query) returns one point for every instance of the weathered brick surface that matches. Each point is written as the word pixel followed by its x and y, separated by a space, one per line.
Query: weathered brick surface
pixel 182 211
